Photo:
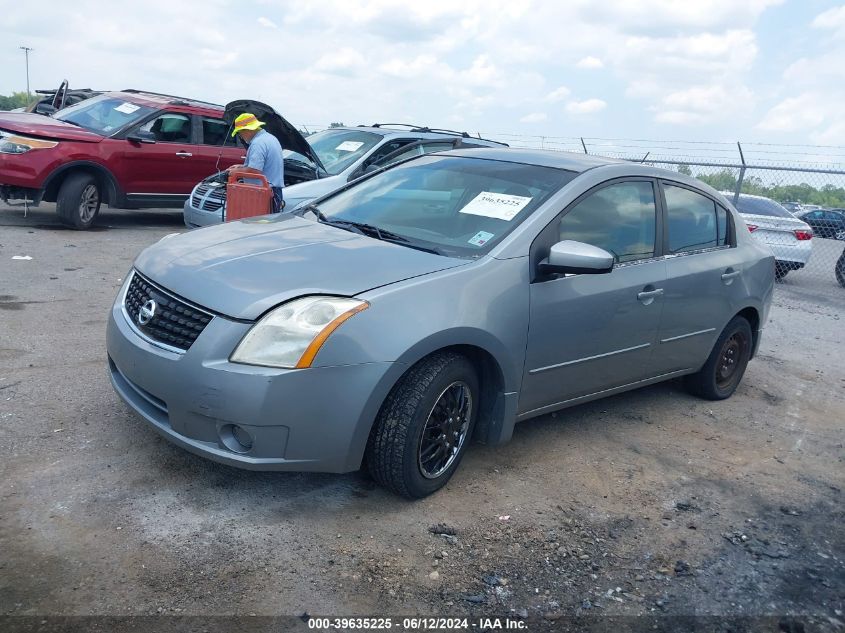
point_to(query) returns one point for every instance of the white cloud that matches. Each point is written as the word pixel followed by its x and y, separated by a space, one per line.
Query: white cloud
pixel 703 104
pixel 590 62
pixel 800 113
pixel 588 106
pixel 483 62
pixel 833 18
pixel 558 94
pixel 341 61
pixel 534 117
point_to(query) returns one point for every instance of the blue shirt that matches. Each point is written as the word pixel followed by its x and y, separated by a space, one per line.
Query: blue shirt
pixel 265 155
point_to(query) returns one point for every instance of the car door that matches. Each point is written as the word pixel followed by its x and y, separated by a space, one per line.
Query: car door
pixel 816 221
pixel 704 284
pixel 834 221
pixel 216 149
pixel 167 166
pixel 589 333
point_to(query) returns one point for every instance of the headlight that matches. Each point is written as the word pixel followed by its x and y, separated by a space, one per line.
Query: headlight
pixel 291 335
pixel 16 144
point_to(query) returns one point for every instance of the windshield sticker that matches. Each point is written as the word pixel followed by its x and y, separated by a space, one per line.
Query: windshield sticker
pixel 349 146
pixel 127 108
pixel 480 238
pixel 501 206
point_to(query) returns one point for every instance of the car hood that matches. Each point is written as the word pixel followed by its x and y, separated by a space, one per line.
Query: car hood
pixel 243 269
pixel 42 126
pixel 288 135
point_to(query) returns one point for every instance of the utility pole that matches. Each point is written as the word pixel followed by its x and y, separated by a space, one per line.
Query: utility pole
pixel 26 50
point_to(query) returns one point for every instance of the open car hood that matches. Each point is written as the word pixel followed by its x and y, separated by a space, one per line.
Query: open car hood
pixel 288 136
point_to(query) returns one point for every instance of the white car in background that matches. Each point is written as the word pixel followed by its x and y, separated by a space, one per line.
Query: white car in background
pixel 790 239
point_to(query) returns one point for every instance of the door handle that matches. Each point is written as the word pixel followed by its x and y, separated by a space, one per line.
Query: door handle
pixel 184 154
pixel 729 275
pixel 243 157
pixel 648 296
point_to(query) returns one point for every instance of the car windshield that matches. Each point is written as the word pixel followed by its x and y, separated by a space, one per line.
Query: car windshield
pixel 104 114
pixel 762 206
pixel 454 206
pixel 340 148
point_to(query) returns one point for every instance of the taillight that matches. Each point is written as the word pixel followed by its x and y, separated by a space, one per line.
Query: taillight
pixel 752 228
pixel 802 235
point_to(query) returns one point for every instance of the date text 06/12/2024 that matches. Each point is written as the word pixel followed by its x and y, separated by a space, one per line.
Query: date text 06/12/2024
pixel 416 624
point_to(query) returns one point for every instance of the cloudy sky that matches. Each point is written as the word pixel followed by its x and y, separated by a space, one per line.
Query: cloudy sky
pixel 754 70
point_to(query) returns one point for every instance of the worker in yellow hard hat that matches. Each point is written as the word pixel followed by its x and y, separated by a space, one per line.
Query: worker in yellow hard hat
pixel 264 155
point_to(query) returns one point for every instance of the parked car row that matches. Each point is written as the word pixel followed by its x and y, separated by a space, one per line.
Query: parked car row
pixel 326 160
pixel 829 223
pixel 789 237
pixel 135 149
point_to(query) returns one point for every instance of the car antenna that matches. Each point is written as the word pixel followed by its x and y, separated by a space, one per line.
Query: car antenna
pixel 223 145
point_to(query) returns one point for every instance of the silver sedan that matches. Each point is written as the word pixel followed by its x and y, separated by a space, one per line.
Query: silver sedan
pixel 437 302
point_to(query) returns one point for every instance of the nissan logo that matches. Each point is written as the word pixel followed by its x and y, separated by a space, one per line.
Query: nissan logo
pixel 147 312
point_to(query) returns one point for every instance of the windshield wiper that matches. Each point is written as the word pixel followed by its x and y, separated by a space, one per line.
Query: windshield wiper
pixel 368 230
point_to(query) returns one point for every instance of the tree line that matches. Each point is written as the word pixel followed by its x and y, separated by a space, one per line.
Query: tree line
pixel 725 179
pixel 15 100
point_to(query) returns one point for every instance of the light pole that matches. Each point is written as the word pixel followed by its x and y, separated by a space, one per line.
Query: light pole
pixel 26 50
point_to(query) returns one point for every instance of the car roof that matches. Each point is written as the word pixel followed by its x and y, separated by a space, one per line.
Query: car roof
pixel 160 100
pixel 421 132
pixel 570 161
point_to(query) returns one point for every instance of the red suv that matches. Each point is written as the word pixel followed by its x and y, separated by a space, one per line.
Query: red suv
pixel 131 149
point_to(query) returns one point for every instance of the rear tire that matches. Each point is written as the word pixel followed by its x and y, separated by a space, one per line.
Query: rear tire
pixel 781 270
pixel 725 366
pixel 424 426
pixel 840 270
pixel 78 202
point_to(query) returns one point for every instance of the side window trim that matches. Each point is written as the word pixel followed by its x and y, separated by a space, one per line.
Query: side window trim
pixel 731 229
pixel 538 247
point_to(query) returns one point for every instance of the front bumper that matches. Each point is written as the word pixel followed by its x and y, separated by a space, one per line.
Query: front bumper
pixel 197 218
pixel 301 420
pixel 13 192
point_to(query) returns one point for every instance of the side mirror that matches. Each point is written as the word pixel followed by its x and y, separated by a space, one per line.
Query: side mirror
pixel 573 257
pixel 45 109
pixel 141 136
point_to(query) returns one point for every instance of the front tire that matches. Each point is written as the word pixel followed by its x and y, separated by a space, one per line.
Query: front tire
pixel 725 366
pixel 424 426
pixel 78 202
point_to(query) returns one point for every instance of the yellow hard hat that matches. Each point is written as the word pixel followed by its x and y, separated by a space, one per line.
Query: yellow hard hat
pixel 246 121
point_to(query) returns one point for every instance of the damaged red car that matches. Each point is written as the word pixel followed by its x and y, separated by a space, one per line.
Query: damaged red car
pixel 130 149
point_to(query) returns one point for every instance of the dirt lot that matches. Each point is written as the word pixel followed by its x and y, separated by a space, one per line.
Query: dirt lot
pixel 648 503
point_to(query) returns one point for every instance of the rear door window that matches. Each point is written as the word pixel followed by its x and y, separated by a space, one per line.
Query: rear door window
pixel 217 132
pixel 619 218
pixel 694 221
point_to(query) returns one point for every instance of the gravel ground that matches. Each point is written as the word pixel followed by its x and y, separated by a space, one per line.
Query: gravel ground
pixel 648 503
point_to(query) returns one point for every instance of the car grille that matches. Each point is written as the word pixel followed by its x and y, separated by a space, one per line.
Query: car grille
pixel 207 198
pixel 174 322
